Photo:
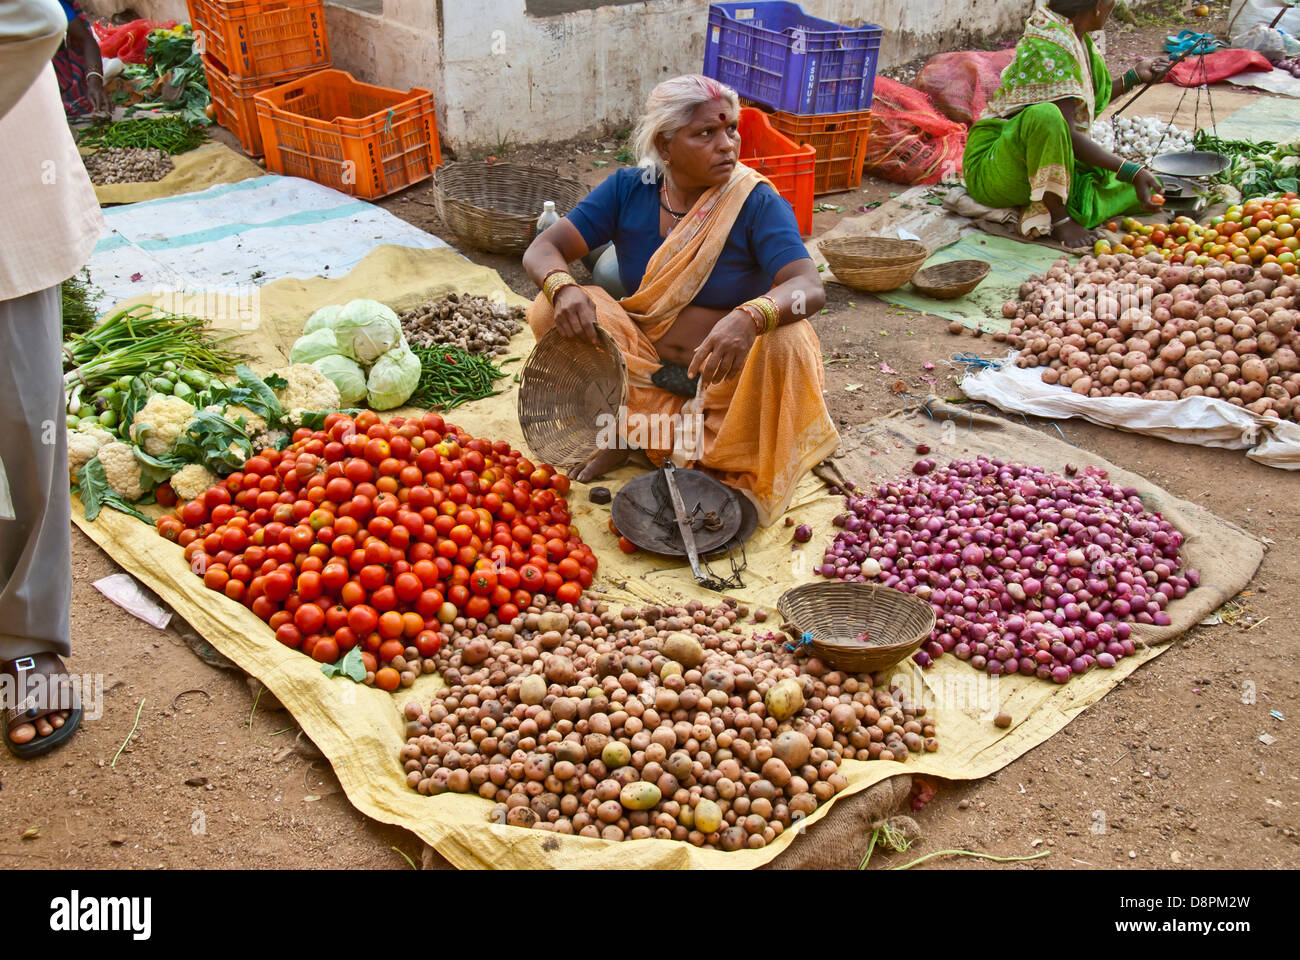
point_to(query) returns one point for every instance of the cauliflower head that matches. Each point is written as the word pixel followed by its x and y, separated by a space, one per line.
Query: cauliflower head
pixel 166 418
pixel 84 444
pixel 253 422
pixel 308 390
pixel 122 470
pixel 191 480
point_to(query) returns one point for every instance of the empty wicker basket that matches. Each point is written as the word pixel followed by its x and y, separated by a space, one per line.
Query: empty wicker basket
pixel 494 206
pixel 835 612
pixel 873 264
pixel 566 389
pixel 948 281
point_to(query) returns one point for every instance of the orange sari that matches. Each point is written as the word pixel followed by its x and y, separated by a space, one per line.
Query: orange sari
pixel 759 431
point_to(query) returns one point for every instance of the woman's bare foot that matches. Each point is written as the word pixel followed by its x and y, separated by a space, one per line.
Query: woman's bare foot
pixel 1073 236
pixel 601 464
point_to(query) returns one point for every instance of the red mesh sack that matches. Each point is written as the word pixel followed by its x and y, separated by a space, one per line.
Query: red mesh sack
pixel 910 141
pixel 1217 66
pixel 127 42
pixel 960 84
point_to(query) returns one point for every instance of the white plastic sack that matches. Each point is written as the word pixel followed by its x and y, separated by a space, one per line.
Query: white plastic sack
pixel 1264 40
pixel 1245 14
pixel 1201 421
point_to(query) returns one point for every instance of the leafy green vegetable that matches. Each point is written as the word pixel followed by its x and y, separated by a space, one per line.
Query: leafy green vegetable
pixel 350 665
pixel 311 347
pixel 95 493
pixel 393 378
pixel 214 441
pixel 261 398
pixel 345 374
pixel 78 314
pixel 366 330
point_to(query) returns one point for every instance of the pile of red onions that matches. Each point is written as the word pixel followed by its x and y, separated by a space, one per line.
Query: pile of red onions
pixel 1027 571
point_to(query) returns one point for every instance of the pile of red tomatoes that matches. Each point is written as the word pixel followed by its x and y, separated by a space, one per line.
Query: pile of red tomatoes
pixel 377 534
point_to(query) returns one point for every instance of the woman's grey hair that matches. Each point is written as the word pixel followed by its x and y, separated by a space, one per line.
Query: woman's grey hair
pixel 670 107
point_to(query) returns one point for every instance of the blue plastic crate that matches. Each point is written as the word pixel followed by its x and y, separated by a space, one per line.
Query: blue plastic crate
pixel 775 54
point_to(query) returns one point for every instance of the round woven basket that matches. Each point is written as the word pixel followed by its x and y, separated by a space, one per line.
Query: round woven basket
pixel 565 387
pixel 873 264
pixel 836 611
pixel 495 206
pixel 948 281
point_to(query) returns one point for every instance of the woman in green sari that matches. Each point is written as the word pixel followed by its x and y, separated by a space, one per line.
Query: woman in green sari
pixel 1032 148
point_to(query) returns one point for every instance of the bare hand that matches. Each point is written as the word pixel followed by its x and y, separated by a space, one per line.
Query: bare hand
pixel 99 100
pixel 1150 68
pixel 723 352
pixel 1146 185
pixel 575 313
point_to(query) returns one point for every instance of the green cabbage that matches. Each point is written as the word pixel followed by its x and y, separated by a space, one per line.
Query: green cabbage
pixel 324 317
pixel 366 329
pixel 393 379
pixel 345 374
pixel 310 347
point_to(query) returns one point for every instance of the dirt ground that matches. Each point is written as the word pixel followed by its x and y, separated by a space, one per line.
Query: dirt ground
pixel 1168 771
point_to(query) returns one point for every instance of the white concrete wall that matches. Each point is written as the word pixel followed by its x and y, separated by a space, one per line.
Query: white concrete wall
pixel 511 76
pixel 519 78
pixel 500 74
pixel 149 9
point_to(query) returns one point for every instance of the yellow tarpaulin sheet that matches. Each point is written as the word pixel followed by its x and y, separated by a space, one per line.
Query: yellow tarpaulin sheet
pixel 361 730
pixel 203 167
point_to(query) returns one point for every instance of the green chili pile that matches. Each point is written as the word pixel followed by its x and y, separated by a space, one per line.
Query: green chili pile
pixel 450 376
pixel 172 135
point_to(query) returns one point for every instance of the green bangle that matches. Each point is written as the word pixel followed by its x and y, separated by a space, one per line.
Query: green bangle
pixel 1130 78
pixel 1128 170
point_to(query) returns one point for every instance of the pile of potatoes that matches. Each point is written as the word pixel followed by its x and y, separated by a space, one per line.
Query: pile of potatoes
pixel 663 722
pixel 1120 326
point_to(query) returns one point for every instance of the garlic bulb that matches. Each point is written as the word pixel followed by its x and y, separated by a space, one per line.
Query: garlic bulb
pixel 1140 138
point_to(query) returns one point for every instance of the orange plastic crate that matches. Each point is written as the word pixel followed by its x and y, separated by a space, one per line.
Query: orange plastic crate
pixel 788 165
pixel 233 99
pixel 361 139
pixel 840 140
pixel 262 38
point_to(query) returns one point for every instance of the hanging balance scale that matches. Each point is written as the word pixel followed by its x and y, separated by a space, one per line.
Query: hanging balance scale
pixel 1186 175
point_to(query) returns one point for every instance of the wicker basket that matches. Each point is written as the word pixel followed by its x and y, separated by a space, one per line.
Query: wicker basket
pixel 564 388
pixel 494 206
pixel 873 264
pixel 836 611
pixel 948 281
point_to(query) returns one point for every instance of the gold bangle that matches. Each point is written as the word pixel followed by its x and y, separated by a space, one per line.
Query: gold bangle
pixel 555 281
pixel 751 311
pixel 770 311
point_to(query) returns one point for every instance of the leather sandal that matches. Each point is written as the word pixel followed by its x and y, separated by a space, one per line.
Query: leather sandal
pixel 20 672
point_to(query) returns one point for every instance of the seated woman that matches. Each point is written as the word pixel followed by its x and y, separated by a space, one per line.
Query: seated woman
pixel 1032 148
pixel 716 331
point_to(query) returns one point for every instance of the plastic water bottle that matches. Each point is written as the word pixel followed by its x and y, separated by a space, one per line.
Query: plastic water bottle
pixel 548 217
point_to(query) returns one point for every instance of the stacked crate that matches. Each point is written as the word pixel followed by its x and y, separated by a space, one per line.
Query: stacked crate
pixel 249 46
pixel 815 75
